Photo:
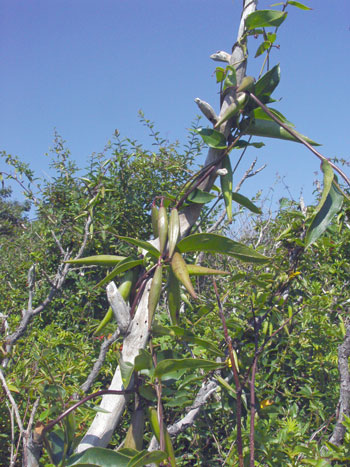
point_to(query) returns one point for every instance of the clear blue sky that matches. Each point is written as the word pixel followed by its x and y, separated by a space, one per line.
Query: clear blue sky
pixel 86 67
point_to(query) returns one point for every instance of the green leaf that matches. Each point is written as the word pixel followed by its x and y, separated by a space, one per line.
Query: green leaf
pixel 245 202
pixel 126 371
pixel 243 144
pixel 188 336
pixel 99 260
pixel 220 74
pixel 321 221
pixel 125 265
pixel 265 18
pixel 298 5
pixel 100 457
pixel 271 129
pixel 226 187
pixel 146 457
pixel 212 138
pixel 143 361
pixel 142 244
pixel 265 86
pixel 328 177
pixel 262 48
pixel 231 79
pixel 168 366
pixel 201 197
pixel 259 114
pixel 218 244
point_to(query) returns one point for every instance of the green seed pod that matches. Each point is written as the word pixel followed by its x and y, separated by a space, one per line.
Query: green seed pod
pixel 153 418
pixel 174 297
pixel 226 186
pixel 162 228
pixel 179 268
pixel 174 231
pixel 134 436
pixel 154 293
pixel 270 129
pixel 125 287
pixel 154 217
pixel 233 109
pixel 247 84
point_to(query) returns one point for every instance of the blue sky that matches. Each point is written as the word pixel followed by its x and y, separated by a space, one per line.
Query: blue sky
pixel 85 67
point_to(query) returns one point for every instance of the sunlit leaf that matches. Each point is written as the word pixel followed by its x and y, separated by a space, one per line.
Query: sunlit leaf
pixel 98 260
pixel 142 244
pixel 265 86
pixel 323 218
pixel 201 197
pixel 231 79
pixel 214 243
pixel 212 138
pixel 265 18
pixel 245 202
pixel 298 5
pixel 124 265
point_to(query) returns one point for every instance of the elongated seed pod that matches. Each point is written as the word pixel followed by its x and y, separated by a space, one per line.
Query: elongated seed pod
pixel 226 187
pixel 162 228
pixel 134 436
pixel 154 217
pixel 233 109
pixel 154 293
pixel 124 289
pixel 247 84
pixel 174 231
pixel 179 268
pixel 270 129
pixel 153 418
pixel 174 297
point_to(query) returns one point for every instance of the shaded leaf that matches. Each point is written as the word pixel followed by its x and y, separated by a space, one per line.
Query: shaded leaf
pixel 145 457
pixel 200 197
pixel 265 86
pixel 100 457
pixel 171 365
pixel 126 371
pixel 125 265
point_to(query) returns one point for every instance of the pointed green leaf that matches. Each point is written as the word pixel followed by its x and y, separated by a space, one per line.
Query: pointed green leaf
pixel 260 114
pixel 265 86
pixel 220 74
pixel 298 5
pixel 265 18
pixel 103 260
pixel 200 197
pixel 100 457
pixel 125 265
pixel 321 221
pixel 168 366
pixel 218 244
pixel 143 360
pixel 271 129
pixel 188 336
pixel 245 202
pixel 142 244
pixel 231 79
pixel 145 457
pixel 328 176
pixel 126 371
pixel 212 138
